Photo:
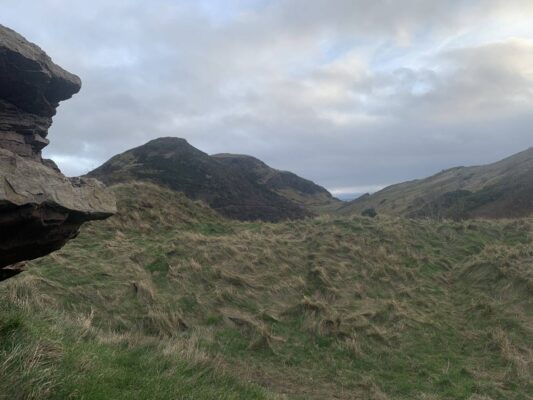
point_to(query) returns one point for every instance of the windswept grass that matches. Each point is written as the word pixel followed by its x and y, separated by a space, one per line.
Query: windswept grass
pixel 50 355
pixel 322 308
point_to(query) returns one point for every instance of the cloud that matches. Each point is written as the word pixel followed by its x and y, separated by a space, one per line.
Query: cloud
pixel 349 93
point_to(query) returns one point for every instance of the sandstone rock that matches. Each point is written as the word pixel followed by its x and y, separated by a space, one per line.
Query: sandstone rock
pixel 31 87
pixel 40 209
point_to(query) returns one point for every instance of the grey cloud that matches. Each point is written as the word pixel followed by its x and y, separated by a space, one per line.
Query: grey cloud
pixel 345 92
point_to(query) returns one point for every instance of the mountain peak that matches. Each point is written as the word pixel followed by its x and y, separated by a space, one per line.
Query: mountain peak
pixel 170 140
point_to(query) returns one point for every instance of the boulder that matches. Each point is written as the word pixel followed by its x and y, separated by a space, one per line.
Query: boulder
pixel 40 208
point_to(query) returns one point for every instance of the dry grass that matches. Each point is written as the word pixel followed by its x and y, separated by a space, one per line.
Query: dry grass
pixel 322 308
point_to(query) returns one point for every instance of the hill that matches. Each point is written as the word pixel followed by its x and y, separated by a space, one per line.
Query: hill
pixel 500 190
pixel 301 191
pixel 229 187
pixel 167 299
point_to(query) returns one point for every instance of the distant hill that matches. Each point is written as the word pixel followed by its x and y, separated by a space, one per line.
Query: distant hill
pixel 287 184
pixel 227 183
pixel 500 190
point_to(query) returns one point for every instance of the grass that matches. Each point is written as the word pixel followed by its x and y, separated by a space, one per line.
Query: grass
pixel 50 356
pixel 329 307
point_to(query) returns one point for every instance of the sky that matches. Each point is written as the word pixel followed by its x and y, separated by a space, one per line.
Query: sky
pixel 352 94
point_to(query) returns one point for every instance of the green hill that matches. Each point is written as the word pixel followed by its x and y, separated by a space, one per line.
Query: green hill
pixel 301 191
pixel 229 184
pixel 170 300
pixel 500 190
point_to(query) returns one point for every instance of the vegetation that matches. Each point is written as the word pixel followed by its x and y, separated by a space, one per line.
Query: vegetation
pixel 230 189
pixel 500 190
pixel 369 212
pixel 47 355
pixel 169 300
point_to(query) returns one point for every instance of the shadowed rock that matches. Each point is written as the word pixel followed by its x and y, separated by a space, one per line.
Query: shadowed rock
pixel 40 209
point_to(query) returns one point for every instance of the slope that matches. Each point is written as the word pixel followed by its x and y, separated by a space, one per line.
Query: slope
pixel 319 308
pixel 287 184
pixel 498 190
pixel 174 163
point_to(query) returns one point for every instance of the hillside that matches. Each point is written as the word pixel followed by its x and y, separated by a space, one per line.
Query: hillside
pixel 230 188
pixel 500 190
pixel 301 191
pixel 168 299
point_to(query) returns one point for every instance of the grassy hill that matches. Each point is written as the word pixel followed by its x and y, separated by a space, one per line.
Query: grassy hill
pixel 170 300
pixel 500 190
pixel 239 187
pixel 301 191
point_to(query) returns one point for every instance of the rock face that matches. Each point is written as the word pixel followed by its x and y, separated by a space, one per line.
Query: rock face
pixel 40 209
pixel 31 87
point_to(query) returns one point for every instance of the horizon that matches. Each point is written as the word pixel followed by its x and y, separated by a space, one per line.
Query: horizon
pixel 356 96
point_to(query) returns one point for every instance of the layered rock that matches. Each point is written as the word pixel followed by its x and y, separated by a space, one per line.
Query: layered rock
pixel 40 209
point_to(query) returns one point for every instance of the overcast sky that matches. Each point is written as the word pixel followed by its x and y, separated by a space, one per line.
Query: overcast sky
pixel 353 94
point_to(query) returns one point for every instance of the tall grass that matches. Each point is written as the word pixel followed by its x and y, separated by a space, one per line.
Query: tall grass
pixel 327 307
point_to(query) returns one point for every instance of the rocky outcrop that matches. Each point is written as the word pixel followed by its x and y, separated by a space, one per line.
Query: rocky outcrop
pixel 31 87
pixel 40 209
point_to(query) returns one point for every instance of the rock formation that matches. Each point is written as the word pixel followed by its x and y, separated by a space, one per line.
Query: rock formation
pixel 40 209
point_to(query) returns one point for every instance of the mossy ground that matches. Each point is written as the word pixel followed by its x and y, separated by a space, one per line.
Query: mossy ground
pixel 169 300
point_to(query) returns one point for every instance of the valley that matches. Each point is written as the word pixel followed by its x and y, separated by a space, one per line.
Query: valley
pixel 169 273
